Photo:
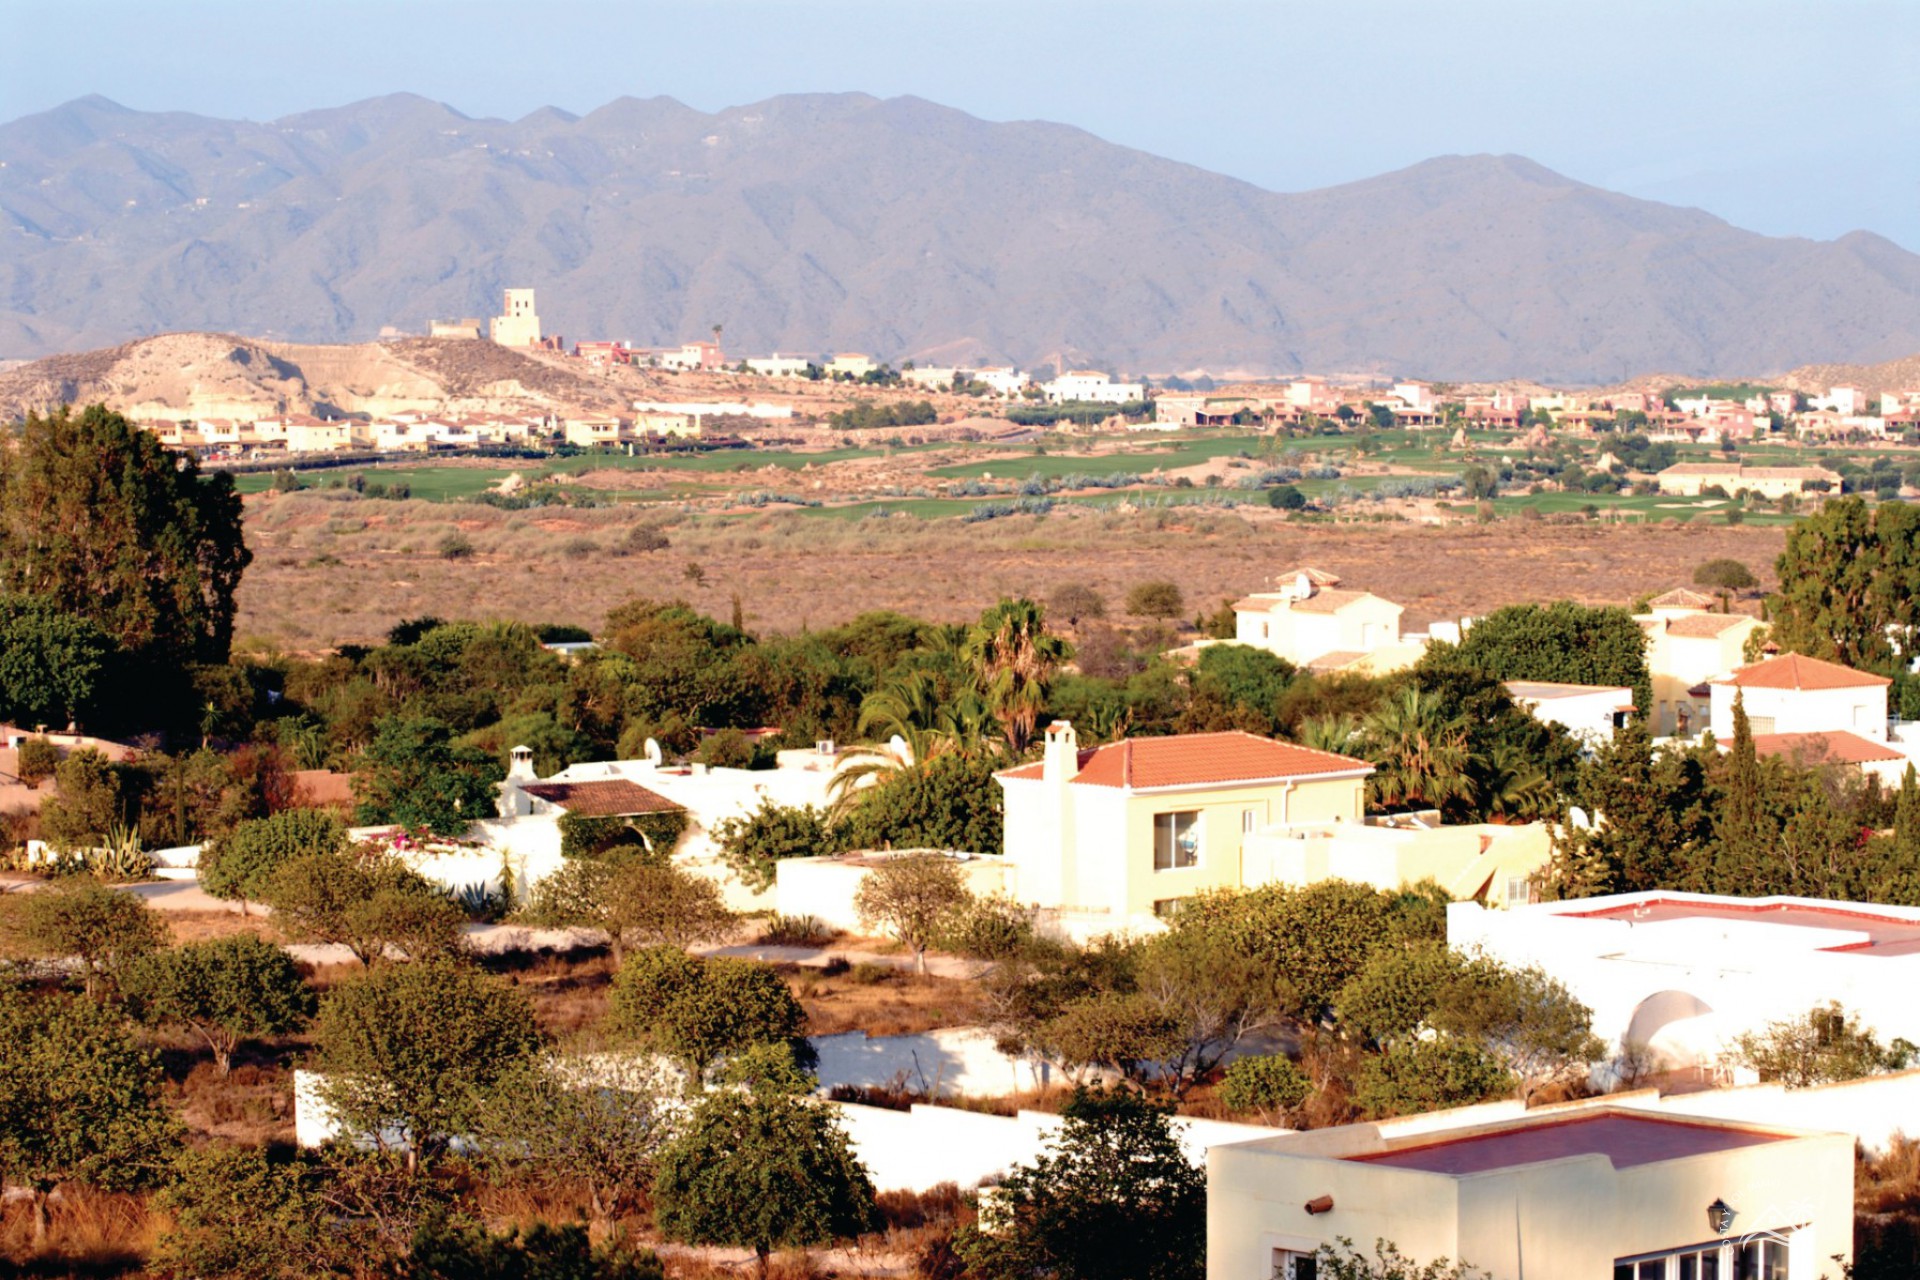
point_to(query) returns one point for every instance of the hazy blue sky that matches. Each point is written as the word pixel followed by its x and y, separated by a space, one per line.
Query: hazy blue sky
pixel 1795 118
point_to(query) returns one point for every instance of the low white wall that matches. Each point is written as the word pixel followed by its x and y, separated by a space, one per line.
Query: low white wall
pixel 921 1148
pixel 955 1062
pixel 824 888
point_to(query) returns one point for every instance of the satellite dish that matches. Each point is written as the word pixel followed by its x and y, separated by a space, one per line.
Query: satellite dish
pixel 652 753
pixel 1578 818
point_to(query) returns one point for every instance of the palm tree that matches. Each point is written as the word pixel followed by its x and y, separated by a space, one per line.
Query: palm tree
pixel 1514 787
pixel 1013 657
pixel 1420 754
pixel 1339 734
pixel 905 724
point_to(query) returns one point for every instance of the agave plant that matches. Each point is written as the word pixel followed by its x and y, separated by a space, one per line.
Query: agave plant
pixel 121 856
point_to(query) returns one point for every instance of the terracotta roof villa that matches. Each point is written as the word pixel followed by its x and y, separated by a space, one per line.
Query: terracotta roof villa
pixel 1197 760
pixel 1797 671
pixel 613 798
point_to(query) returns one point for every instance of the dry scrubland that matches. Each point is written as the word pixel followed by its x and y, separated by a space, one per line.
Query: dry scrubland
pixel 330 569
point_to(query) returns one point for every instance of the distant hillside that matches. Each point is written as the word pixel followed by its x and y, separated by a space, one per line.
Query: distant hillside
pixel 220 376
pixel 814 223
pixel 1893 375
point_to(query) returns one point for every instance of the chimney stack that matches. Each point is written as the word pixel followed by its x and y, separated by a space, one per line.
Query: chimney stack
pixel 1062 759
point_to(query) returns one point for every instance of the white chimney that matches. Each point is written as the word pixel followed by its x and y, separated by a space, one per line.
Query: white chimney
pixel 521 767
pixel 1062 759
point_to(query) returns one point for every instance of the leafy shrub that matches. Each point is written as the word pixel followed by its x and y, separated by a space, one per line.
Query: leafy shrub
pixel 1271 1085
pixel 454 547
pixel 38 758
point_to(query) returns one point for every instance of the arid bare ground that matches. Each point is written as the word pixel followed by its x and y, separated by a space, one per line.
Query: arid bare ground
pixel 328 577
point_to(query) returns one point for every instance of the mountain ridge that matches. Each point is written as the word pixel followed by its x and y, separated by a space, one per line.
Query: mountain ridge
pixel 899 226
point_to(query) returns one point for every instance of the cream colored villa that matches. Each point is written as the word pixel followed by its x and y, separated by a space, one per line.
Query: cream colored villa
pixel 1118 836
pixel 1688 646
pixel 1579 1193
pixel 1311 622
pixel 1135 827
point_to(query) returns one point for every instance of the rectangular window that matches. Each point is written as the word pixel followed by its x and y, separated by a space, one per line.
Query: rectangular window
pixel 1761 1259
pixel 1176 840
pixel 1519 891
pixel 1249 821
pixel 1167 908
pixel 1760 724
pixel 1290 1264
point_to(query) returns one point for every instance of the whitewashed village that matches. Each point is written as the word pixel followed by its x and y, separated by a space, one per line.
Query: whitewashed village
pixel 996 707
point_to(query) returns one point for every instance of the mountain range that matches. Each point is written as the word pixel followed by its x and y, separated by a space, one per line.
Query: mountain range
pixel 816 223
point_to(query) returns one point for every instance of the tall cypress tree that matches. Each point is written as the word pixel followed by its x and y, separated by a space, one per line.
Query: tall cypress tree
pixel 1745 830
pixel 1906 823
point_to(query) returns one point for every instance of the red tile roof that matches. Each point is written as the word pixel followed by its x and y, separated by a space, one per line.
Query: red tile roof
pixel 1702 626
pixel 1798 671
pixel 1682 598
pixel 614 798
pixel 1625 1139
pixel 1197 759
pixel 1837 747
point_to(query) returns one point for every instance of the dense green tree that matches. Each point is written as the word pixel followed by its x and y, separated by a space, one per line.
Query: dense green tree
pixel 237 1213
pixel 1115 1030
pixel 1412 1075
pixel 698 1011
pixel 79 1099
pixel 1725 575
pixel 1113 1198
pixel 1156 599
pixel 1269 1085
pixel 414 1050
pixel 1562 641
pixel 100 521
pixel 1396 992
pixel 762 1166
pixel 53 664
pixel 1316 938
pixel 1645 822
pixel 1850 584
pixel 80 919
pixel 223 990
pixel 1236 686
pixel 1747 834
pixel 912 898
pixel 91 804
pixel 1524 1020
pixel 949 802
pixel 240 865
pixel 412 773
pixel 752 846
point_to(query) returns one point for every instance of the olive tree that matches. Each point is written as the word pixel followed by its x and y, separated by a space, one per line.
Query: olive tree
pixel 1114 1198
pixel 371 904
pixel 913 897
pixel 698 1011
pixel 636 902
pixel 414 1050
pixel 80 919
pixel 765 1167
pixel 600 1121
pixel 223 991
pixel 79 1099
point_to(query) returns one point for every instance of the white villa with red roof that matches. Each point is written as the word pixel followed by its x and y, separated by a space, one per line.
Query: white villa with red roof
pixel 1311 621
pixel 1813 711
pixel 1131 829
